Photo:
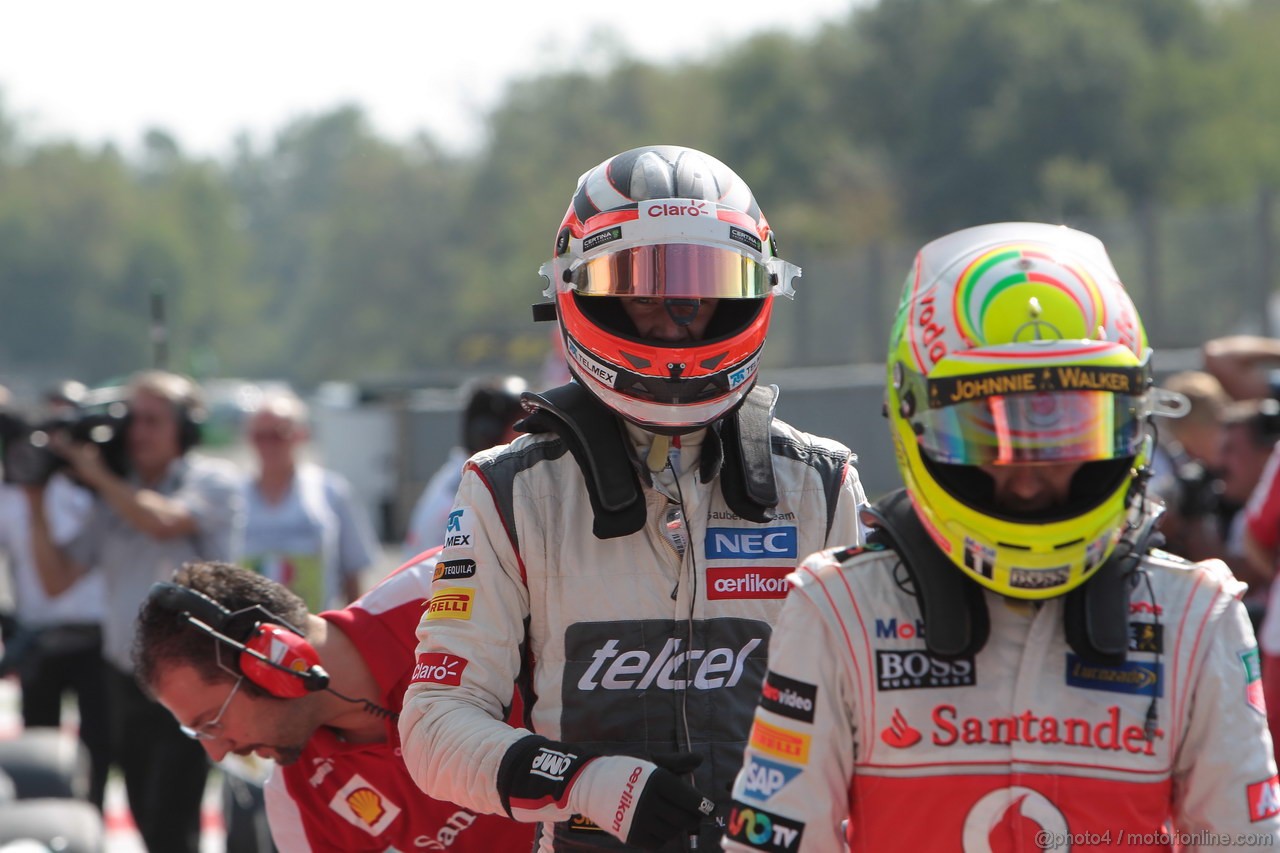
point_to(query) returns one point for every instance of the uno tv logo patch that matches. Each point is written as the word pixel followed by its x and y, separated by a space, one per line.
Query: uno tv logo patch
pixel 740 543
pixel 762 830
pixel 452 602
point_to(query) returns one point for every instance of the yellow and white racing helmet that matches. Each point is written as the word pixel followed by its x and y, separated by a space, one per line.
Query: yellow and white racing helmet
pixel 1015 343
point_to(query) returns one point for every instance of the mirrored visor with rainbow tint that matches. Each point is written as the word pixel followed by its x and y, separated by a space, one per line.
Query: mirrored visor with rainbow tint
pixel 673 271
pixel 1051 426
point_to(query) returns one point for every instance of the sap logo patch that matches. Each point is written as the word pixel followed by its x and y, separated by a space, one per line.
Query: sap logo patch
pixel 746 544
pixel 780 743
pixel 1264 799
pixel 749 582
pixel 457 532
pixel 1146 637
pixel 910 670
pixel 437 668
pixel 450 570
pixel 1137 677
pixel 761 830
pixel 764 778
pixel 1252 663
pixel 452 602
pixel 788 697
pixel 363 805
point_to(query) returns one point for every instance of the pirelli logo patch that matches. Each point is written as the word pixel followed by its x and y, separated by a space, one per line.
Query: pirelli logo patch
pixel 452 602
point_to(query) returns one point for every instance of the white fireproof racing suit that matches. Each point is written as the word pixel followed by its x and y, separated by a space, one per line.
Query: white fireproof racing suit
pixel 647 643
pixel 1023 746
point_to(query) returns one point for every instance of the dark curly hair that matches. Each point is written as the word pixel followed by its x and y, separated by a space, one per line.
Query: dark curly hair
pixel 162 639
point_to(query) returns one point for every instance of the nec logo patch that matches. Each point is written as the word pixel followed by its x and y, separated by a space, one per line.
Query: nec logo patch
pixel 749 582
pixel 739 543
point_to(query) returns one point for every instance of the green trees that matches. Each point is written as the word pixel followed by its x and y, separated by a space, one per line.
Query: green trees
pixel 332 253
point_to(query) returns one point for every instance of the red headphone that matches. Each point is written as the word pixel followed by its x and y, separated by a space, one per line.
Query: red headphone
pixel 274 655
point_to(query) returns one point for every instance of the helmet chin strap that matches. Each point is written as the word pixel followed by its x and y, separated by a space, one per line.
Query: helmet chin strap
pixel 682 311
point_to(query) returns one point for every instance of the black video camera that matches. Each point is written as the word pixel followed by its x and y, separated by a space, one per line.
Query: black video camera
pixel 25 442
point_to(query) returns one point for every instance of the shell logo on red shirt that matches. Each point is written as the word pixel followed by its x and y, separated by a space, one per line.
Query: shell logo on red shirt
pixel 364 806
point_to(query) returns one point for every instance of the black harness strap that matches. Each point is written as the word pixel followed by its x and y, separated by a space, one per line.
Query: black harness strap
pixel 1096 613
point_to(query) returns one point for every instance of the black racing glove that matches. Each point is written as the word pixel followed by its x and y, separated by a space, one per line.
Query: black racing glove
pixel 644 803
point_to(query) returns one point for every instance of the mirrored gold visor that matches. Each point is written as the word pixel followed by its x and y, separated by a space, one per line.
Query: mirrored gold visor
pixel 672 271
pixel 1056 426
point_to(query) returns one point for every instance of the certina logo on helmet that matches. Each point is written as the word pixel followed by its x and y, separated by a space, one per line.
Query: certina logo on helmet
pixel 457 823
pixel 692 208
pixel 744 543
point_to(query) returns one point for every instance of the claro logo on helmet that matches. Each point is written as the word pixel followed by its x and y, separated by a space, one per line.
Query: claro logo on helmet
pixel 692 208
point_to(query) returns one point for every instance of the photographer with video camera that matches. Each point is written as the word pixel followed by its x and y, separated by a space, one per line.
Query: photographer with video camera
pixel 170 507
pixel 54 643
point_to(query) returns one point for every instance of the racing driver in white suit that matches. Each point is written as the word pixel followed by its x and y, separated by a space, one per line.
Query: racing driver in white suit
pixel 1008 665
pixel 624 563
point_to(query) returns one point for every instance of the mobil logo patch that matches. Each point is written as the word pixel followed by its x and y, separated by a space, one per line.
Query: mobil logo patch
pixel 895 629
pixel 748 582
pixel 437 668
pixel 763 778
pixel 745 543
pixel 457 530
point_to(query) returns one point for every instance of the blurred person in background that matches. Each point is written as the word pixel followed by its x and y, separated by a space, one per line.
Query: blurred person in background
pixel 56 646
pixel 1250 430
pixel 1008 664
pixel 169 506
pixel 323 710
pixel 303 529
pixel 488 419
pixel 1185 467
pixel 1248 366
pixel 625 560
pixel 1262 550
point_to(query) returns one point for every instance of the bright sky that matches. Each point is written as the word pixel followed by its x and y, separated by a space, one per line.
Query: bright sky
pixel 204 71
